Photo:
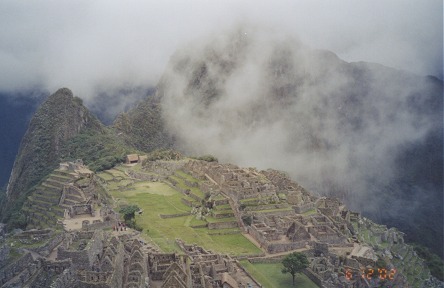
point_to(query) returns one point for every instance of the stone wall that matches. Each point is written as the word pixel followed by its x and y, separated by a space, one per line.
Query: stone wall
pixel 266 260
pixel 96 278
pixel 95 246
pixel 313 277
pixel 275 213
pixel 222 225
pixel 165 216
pixel 303 208
pixel 66 279
pixel 81 209
pixel 4 254
pixel 187 202
pixel 56 266
pixel 283 247
pixel 79 259
pixel 24 268
pixel 143 176
pixel 49 246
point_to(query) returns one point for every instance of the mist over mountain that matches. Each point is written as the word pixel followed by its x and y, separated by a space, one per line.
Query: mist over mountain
pixel 368 134
pixel 107 103
pixel 16 110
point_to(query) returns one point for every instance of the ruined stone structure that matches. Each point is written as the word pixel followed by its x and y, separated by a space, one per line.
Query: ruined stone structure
pixel 277 205
pixel 278 213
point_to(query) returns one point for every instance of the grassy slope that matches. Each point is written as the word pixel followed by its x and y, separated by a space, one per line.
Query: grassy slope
pixel 270 275
pixel 156 198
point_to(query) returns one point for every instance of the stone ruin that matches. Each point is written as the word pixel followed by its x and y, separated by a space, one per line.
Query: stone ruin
pixel 104 261
pixel 99 260
pixel 207 269
pixel 277 205
pixel 286 217
pixel 162 168
pixel 76 167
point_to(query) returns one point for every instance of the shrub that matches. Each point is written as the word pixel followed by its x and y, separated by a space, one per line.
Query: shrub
pixel 208 158
pixel 247 220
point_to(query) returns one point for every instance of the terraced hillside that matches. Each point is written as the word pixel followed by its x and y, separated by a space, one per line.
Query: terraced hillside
pixel 49 200
pixel 402 256
pixel 42 207
pixel 174 207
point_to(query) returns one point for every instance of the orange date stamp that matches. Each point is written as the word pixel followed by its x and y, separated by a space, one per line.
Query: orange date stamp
pixel 371 273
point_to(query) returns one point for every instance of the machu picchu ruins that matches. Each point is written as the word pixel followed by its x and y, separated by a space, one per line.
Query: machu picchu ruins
pixel 76 236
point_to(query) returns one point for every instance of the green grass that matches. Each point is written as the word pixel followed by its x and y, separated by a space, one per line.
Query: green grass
pixel 105 176
pixel 269 275
pixel 186 176
pixel 158 198
pixel 223 207
pixel 195 190
pixel 274 210
pixel 218 220
pixel 310 212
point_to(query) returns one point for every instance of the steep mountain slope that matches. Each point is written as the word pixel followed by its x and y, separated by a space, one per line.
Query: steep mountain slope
pixel 366 133
pixel 16 110
pixel 142 127
pixel 61 117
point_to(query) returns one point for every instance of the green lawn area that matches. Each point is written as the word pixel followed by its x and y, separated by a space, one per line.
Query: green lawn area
pixel 270 275
pixel 195 190
pixel 105 176
pixel 309 212
pixel 156 198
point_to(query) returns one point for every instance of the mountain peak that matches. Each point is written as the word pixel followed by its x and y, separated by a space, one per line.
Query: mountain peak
pixel 61 117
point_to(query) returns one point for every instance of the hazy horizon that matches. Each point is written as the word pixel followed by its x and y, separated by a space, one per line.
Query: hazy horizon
pixel 99 46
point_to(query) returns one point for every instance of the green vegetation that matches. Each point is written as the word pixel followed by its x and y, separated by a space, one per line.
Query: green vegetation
pixel 143 128
pixel 309 212
pixel 129 214
pixel 157 198
pixel 56 121
pixel 269 275
pixel 100 151
pixel 294 263
pixel 208 158
pixel 434 263
pixel 164 154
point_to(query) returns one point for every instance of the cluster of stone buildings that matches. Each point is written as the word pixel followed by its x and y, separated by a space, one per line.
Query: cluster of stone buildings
pixel 285 217
pixel 277 207
pixel 282 215
pixel 100 260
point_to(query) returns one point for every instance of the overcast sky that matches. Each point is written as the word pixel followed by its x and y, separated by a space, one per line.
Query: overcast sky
pixel 85 45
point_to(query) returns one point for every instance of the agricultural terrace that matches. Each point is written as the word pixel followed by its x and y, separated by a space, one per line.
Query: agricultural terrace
pixel 162 198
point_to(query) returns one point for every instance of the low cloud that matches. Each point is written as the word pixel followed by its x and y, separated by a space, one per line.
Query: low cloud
pixel 90 45
pixel 255 97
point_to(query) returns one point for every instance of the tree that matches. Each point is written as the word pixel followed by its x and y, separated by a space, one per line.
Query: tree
pixel 294 263
pixel 129 212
